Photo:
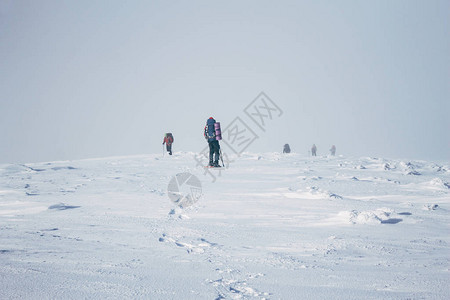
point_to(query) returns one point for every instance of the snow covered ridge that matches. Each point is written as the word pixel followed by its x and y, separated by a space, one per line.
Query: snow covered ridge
pixel 271 226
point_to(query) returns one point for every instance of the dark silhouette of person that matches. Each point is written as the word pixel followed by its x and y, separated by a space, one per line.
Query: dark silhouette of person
pixel 168 140
pixel 214 147
pixel 286 148
pixel 314 150
pixel 333 150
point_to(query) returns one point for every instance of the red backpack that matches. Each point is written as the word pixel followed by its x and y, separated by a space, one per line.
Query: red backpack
pixel 169 138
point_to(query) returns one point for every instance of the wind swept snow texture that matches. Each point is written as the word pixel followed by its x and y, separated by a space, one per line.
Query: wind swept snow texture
pixel 272 226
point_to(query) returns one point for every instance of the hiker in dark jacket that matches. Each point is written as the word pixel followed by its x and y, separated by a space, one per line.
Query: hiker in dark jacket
pixel 214 147
pixel 168 140
pixel 333 150
pixel 286 148
pixel 314 150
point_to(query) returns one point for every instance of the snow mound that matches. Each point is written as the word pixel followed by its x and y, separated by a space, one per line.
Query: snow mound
pixel 378 216
pixel 409 168
pixel 388 167
pixel 438 182
pixel 430 207
pixel 315 191
pixel 439 169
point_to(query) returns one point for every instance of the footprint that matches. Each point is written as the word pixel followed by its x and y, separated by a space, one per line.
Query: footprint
pixel 190 247
pixel 229 286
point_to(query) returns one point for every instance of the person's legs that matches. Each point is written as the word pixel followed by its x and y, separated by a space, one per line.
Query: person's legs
pixel 216 152
pixel 211 153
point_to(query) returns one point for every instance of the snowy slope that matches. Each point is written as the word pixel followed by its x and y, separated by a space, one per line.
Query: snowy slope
pixel 271 226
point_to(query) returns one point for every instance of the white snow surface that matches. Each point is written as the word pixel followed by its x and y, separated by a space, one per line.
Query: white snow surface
pixel 271 226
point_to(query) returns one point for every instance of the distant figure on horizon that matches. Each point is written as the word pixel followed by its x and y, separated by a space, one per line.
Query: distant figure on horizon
pixel 212 135
pixel 168 140
pixel 286 148
pixel 333 150
pixel 314 150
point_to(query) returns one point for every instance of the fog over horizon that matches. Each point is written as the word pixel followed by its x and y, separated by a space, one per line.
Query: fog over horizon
pixel 87 79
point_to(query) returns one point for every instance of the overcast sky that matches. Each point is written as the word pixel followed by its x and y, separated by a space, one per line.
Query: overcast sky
pixel 82 79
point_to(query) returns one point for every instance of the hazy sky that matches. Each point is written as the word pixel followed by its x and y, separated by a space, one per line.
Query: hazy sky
pixel 81 79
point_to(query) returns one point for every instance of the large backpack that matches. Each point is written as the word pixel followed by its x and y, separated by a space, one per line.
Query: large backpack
pixel 210 131
pixel 169 138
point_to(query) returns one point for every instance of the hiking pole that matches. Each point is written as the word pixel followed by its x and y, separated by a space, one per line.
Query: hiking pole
pixel 163 150
pixel 221 158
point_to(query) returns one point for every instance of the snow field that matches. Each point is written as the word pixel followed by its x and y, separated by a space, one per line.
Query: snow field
pixel 271 226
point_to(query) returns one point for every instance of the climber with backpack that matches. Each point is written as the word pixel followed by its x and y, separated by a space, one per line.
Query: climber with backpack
pixel 213 135
pixel 168 140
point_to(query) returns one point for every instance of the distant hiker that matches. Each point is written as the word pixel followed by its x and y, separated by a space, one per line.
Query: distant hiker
pixel 333 150
pixel 314 150
pixel 212 138
pixel 286 148
pixel 168 140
